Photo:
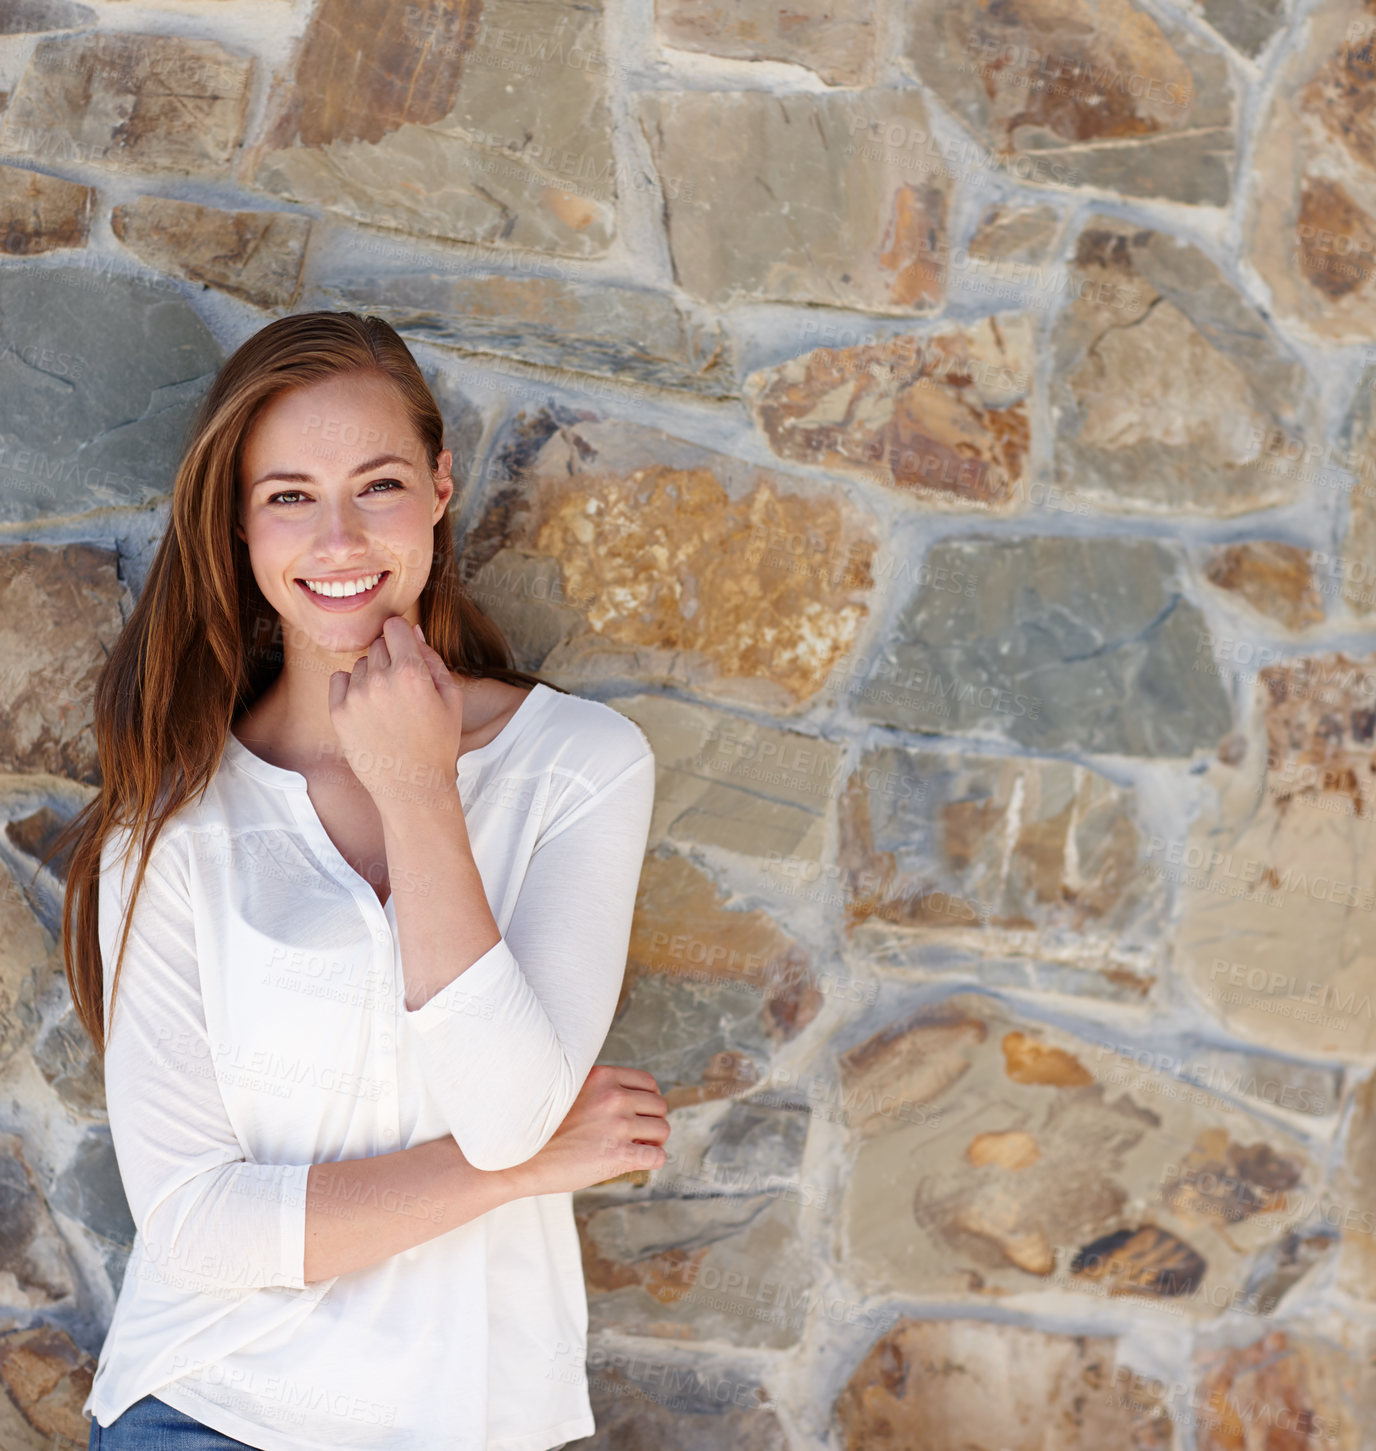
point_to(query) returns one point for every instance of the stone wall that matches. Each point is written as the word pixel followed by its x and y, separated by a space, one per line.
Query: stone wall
pixel 946 429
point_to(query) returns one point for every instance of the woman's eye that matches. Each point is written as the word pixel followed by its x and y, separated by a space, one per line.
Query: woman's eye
pixel 285 494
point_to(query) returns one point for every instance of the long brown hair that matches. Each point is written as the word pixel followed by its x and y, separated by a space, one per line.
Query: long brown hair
pixel 202 643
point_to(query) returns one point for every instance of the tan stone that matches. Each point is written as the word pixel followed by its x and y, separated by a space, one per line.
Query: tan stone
pixel 1121 1198
pixel 970 1385
pixel 40 213
pixel 942 417
pixel 800 197
pixel 159 101
pixel 1167 381
pixel 1351 1211
pixel 681 564
pixel 1275 579
pixel 1310 223
pixel 835 40
pixel 710 791
pixel 253 255
pixel 473 122
pixel 1275 929
pixel 1007 233
pixel 59 616
pixel 1104 94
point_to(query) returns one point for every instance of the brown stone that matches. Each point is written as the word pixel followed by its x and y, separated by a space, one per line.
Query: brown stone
pixel 1008 233
pixel 1276 579
pixel 728 608
pixel 834 39
pixel 944 418
pixel 47 1379
pixel 710 994
pixel 1310 223
pixel 158 101
pixel 253 255
pixel 1013 1150
pixel 473 122
pixel 40 213
pixel 1146 1260
pixel 1029 1061
pixel 1283 1389
pixel 1101 95
pixel 970 1385
pixel 59 616
pixel 800 197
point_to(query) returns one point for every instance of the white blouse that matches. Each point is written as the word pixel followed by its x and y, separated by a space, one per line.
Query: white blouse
pixel 261 1028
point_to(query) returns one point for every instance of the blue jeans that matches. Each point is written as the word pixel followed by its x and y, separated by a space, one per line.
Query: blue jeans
pixel 152 1425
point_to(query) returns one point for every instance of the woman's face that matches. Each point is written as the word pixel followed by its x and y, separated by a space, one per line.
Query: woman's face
pixel 334 488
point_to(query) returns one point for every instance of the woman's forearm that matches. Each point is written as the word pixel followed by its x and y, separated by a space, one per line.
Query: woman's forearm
pixel 360 1211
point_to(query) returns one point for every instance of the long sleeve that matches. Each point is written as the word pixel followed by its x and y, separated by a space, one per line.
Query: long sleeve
pixel 209 1219
pixel 506 1047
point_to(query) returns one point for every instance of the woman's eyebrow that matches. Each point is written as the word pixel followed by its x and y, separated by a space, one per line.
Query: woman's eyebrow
pixel 283 477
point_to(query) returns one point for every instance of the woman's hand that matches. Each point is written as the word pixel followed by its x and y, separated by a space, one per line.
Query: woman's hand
pixel 617 1123
pixel 398 716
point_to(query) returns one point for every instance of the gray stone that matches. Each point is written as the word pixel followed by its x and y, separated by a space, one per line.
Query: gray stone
pixel 1246 25
pixel 24 16
pixel 98 419
pixel 90 1190
pixel 627 333
pixel 1068 643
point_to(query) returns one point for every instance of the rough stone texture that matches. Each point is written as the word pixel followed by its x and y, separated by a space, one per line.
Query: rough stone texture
pixel 1007 233
pixel 1103 91
pixel 1134 1190
pixel 1056 638
pixel 967 1385
pixel 627 333
pixel 148 101
pixel 1282 1389
pixel 1247 25
pixel 710 993
pixel 253 255
pixel 941 417
pixel 1310 226
pixel 1275 579
pixel 1352 1217
pixel 1040 861
pixel 22 16
pixel 835 40
pixel 46 1379
pixel 1276 905
pixel 733 785
pixel 474 122
pixel 675 560
pixel 642 1401
pixel 41 213
pixel 1166 380
pixel 100 379
pixel 59 614
pixel 801 198
pixel 1351 575
pixel 728 1268
pixel 35 1267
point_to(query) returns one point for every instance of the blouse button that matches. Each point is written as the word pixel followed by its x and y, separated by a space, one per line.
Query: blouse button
pixel 385 1039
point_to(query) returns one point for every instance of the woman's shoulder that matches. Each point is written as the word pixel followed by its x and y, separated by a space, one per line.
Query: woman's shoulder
pixel 590 736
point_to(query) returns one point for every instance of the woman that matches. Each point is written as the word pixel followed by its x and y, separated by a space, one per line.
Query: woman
pixel 372 942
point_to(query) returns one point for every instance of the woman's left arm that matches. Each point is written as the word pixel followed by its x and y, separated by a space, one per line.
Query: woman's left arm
pixel 507 1028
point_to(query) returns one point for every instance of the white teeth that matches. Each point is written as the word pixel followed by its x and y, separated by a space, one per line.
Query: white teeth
pixel 338 589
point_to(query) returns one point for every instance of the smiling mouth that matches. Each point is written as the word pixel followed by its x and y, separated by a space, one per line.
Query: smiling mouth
pixel 345 601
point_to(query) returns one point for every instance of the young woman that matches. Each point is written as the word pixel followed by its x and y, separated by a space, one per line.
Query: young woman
pixel 366 893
